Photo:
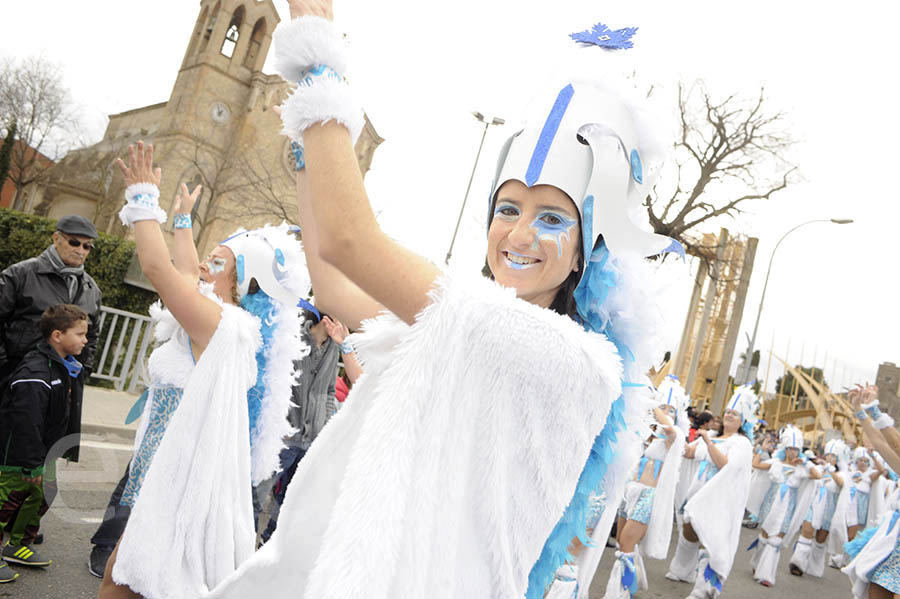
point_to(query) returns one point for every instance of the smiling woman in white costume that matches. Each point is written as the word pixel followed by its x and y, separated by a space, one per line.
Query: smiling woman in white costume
pixel 713 503
pixel 462 463
pixel 221 378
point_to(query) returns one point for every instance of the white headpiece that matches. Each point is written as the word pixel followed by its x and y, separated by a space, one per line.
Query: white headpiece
pixel 671 393
pixel 746 402
pixel 791 437
pixel 269 255
pixel 839 449
pixel 861 453
pixel 598 148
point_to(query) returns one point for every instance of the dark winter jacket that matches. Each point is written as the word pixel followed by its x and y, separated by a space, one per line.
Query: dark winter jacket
pixel 28 288
pixel 37 409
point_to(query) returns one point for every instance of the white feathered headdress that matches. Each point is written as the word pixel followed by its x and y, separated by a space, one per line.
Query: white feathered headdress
pixel 746 402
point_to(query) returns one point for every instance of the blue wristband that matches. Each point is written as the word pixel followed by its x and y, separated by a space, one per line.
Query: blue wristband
pixel 299 160
pixel 874 412
pixel 861 415
pixel 182 221
pixel 346 348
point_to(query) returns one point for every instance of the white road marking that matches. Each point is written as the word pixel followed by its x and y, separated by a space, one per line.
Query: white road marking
pixel 92 520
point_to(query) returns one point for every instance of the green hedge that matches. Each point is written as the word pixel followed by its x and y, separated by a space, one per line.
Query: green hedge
pixel 25 236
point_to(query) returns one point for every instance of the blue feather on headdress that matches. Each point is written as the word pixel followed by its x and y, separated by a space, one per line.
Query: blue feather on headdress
pixel 603 36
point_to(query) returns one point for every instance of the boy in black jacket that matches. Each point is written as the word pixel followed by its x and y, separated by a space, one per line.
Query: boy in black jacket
pixel 34 414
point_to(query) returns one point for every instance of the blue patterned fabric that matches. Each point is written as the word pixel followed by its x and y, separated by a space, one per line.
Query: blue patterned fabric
pixel 792 507
pixel 642 507
pixel 596 507
pixel 862 508
pixel 164 401
pixel 887 573
pixel 767 502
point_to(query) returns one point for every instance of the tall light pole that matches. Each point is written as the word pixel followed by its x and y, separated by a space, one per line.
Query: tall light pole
pixel 749 357
pixel 481 118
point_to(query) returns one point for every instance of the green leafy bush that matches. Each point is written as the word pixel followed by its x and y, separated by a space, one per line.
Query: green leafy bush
pixel 26 236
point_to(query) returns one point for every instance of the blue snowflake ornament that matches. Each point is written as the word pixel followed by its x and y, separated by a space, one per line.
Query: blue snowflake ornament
pixel 603 36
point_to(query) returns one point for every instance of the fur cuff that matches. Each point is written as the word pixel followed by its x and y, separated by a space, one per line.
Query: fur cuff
pixel 305 42
pixel 142 204
pixel 324 100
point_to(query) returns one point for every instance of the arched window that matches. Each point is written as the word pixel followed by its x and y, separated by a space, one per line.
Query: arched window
pixel 210 25
pixel 198 32
pixel 256 40
pixel 233 33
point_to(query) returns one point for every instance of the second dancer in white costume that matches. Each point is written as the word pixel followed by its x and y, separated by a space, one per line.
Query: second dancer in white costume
pixel 712 513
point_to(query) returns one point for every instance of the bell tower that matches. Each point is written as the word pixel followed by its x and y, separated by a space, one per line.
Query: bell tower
pixel 226 50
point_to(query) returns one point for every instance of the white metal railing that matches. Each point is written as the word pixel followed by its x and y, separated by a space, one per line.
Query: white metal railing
pixel 117 326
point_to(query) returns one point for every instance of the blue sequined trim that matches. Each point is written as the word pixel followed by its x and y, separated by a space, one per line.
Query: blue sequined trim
pixel 164 402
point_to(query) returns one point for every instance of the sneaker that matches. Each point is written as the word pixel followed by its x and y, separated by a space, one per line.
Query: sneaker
pixel 24 555
pixel 7 574
pixel 97 561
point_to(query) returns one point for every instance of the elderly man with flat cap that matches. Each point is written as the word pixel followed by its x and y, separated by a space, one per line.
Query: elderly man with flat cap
pixel 29 287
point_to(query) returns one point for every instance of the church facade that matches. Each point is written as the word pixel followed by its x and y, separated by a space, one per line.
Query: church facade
pixel 217 129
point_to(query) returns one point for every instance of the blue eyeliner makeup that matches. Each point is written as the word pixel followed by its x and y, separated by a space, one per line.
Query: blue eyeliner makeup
pixel 553 232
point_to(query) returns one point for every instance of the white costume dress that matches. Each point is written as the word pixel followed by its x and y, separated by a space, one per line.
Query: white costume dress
pixel 714 508
pixel 198 481
pixel 782 513
pixel 386 504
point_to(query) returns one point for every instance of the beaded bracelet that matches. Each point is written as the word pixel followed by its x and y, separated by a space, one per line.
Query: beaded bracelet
pixel 299 160
pixel 861 415
pixel 182 221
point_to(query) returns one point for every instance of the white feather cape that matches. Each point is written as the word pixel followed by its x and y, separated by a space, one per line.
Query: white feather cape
pixel 452 460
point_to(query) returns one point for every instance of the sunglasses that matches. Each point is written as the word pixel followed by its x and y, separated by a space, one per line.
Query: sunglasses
pixel 75 243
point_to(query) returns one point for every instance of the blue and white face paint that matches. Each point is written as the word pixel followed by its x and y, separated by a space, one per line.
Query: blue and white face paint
pixel 554 227
pixel 216 266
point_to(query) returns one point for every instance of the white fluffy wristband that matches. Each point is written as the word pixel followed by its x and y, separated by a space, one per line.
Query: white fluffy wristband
pixel 141 203
pixel 325 99
pixel 305 42
pixel 312 54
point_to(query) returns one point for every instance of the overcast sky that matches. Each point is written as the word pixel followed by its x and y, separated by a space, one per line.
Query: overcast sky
pixel 421 68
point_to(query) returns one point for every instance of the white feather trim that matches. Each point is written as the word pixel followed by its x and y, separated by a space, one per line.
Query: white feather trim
pixel 287 348
pixel 306 42
pixel 325 100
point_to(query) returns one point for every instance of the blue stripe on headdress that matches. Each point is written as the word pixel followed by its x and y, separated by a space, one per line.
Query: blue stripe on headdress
pixel 548 133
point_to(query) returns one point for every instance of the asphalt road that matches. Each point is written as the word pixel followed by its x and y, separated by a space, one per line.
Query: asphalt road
pixel 85 488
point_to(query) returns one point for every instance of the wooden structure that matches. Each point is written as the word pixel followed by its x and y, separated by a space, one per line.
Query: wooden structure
pixel 710 334
pixel 819 412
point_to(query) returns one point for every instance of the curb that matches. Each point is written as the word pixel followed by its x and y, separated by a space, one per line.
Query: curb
pixel 105 430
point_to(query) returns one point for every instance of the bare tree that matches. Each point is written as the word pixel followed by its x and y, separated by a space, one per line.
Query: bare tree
pixel 33 96
pixel 239 185
pixel 731 151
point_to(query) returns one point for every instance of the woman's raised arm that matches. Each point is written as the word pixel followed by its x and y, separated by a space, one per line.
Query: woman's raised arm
pixel 184 250
pixel 197 314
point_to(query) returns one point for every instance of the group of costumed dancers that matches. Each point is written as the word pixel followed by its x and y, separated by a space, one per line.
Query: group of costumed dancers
pixel 502 426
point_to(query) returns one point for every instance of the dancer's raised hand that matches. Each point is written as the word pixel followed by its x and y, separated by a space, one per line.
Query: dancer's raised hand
pixel 185 200
pixel 311 8
pixel 140 165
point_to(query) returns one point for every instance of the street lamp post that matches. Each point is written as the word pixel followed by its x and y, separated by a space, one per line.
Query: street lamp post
pixel 481 118
pixel 749 357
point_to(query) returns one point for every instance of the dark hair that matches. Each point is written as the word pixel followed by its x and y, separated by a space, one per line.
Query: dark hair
pixel 703 418
pixel 310 316
pixel 60 317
